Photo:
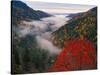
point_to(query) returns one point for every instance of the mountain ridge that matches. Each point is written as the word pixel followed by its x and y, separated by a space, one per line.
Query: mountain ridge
pixel 84 25
pixel 21 11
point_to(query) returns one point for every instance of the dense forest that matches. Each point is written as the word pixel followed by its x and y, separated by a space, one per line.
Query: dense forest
pixel 27 57
pixel 84 25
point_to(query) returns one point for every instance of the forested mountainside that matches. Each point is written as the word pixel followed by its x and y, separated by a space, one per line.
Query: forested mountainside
pixel 78 40
pixel 26 56
pixel 84 25
pixel 20 11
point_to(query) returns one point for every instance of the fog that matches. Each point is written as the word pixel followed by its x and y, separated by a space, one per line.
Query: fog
pixel 42 30
pixel 47 45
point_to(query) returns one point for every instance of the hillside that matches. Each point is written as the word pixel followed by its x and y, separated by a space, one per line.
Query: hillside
pixel 83 26
pixel 26 56
pixel 20 11
pixel 32 36
pixel 77 54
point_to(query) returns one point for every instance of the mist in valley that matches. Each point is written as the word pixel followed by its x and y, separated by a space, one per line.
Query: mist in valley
pixel 35 42
pixel 42 30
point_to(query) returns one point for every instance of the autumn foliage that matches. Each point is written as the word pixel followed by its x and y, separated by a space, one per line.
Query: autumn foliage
pixel 78 54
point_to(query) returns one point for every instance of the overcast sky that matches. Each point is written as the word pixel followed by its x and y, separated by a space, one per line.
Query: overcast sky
pixel 58 7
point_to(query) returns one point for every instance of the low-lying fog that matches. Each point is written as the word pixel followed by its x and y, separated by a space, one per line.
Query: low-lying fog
pixel 42 30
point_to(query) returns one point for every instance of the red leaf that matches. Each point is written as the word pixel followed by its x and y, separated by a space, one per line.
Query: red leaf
pixel 76 55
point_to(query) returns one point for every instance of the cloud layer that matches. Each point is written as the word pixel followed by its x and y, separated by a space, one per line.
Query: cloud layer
pixel 42 30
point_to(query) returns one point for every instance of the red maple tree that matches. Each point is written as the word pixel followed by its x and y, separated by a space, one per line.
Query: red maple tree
pixel 78 54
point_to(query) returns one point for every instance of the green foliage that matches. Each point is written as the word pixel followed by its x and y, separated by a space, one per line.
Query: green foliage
pixel 28 57
pixel 83 26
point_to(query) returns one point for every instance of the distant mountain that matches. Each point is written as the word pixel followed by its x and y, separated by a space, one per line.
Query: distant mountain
pixel 74 16
pixel 79 15
pixel 82 25
pixel 20 11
